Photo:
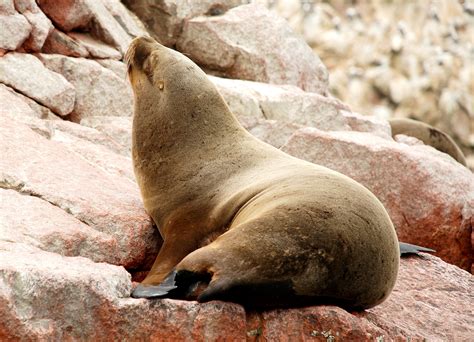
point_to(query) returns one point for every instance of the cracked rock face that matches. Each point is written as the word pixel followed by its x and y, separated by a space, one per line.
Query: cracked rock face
pixel 74 234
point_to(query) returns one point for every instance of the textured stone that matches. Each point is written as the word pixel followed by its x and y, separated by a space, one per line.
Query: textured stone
pixel 21 107
pixel 107 203
pixel 94 146
pixel 253 101
pixel 98 90
pixel 15 29
pixel 129 22
pixel 41 26
pixel 275 133
pixel 117 67
pixel 87 15
pixel 67 15
pixel 428 303
pixel 96 49
pixel 29 220
pixel 26 74
pixel 119 129
pixel 164 18
pixel 429 196
pixel 249 42
pixel 60 43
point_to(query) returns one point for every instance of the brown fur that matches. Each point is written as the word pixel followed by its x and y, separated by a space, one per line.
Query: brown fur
pixel 242 212
pixel 429 135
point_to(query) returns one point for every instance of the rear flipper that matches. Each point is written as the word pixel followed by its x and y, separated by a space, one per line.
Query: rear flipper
pixel 409 249
pixel 178 284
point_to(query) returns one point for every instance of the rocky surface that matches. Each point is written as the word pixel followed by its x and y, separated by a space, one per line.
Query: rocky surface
pixel 402 59
pixel 73 231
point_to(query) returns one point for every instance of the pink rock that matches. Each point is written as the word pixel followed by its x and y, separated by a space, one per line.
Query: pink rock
pixel 21 107
pixel 429 196
pixel 66 131
pixel 60 43
pixel 94 146
pixel 107 203
pixel 96 48
pixel 275 133
pixel 129 21
pixel 165 18
pixel 87 15
pixel 249 42
pixel 117 67
pixel 67 14
pixel 36 222
pixel 15 28
pixel 252 102
pixel 98 90
pixel 26 74
pixel 428 303
pixel 40 24
pixel 119 129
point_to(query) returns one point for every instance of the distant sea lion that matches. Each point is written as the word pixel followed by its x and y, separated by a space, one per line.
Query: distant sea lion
pixel 248 222
pixel 429 135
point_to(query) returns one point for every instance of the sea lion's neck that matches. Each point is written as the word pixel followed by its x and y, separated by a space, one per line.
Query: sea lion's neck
pixel 165 128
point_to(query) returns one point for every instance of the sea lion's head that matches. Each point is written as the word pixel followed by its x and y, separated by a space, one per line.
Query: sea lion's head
pixel 164 78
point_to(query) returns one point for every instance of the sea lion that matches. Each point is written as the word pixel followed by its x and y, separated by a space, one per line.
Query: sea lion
pixel 253 224
pixel 429 135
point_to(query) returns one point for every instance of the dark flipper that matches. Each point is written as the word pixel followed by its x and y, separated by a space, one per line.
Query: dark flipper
pixel 156 291
pixel 408 249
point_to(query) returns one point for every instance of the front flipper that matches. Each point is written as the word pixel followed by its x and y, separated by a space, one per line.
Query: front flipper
pixel 156 291
pixel 408 249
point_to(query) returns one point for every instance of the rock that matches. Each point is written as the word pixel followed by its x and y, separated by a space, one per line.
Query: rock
pixel 109 204
pixel 60 43
pixel 67 15
pixel 65 131
pixel 275 133
pixel 252 102
pixel 249 42
pixel 45 296
pixel 94 146
pixel 22 107
pixel 119 129
pixel 90 16
pixel 104 26
pixel 117 67
pixel 96 48
pixel 429 196
pixel 27 219
pixel 98 90
pixel 26 74
pixel 129 22
pixel 165 19
pixel 427 303
pixel 41 26
pixel 15 28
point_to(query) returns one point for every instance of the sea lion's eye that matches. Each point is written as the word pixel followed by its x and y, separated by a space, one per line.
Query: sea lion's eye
pixel 161 85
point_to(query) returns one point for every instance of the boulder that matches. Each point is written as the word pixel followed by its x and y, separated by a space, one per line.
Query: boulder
pixel 99 91
pixel 22 107
pixel 165 18
pixel 41 26
pixel 60 43
pixel 249 42
pixel 119 129
pixel 26 74
pixel 94 47
pixel 45 296
pixel 15 27
pixel 104 201
pixel 90 16
pixel 429 196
